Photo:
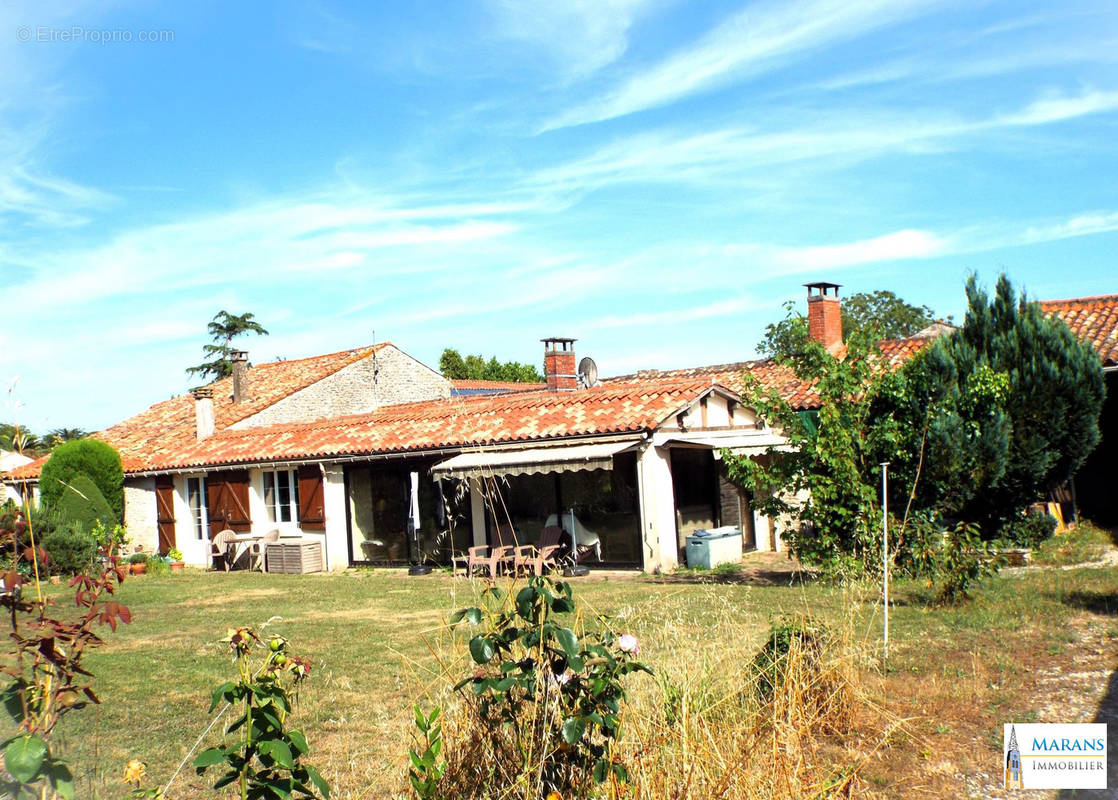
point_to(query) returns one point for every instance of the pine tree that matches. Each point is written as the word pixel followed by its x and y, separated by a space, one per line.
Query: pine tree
pixel 1005 410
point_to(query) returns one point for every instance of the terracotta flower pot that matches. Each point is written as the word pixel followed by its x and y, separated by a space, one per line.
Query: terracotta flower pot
pixel 176 566
pixel 138 569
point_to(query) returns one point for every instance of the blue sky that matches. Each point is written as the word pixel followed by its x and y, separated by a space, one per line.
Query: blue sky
pixel 652 177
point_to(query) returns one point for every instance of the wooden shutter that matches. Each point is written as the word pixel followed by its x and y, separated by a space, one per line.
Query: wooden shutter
pixel 312 507
pixel 165 512
pixel 227 493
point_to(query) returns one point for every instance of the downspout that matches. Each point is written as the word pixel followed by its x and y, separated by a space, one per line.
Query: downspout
pixel 348 517
pixel 325 528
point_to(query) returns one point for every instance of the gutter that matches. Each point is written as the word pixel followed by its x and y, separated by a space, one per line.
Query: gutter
pixel 409 454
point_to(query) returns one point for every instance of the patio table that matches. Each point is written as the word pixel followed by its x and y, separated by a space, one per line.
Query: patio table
pixel 243 544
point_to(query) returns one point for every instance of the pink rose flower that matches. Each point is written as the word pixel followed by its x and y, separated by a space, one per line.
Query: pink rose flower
pixel 628 644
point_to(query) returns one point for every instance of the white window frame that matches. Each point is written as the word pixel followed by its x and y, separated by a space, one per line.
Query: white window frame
pixel 275 510
pixel 200 517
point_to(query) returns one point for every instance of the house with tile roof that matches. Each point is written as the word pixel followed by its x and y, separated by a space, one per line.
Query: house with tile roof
pixel 359 449
pixel 10 460
pixel 382 460
pixel 378 457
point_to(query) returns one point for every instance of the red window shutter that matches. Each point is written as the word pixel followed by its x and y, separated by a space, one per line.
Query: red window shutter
pixel 312 507
pixel 165 512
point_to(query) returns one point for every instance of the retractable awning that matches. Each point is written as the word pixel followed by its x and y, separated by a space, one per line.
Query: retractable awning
pixel 750 443
pixel 530 461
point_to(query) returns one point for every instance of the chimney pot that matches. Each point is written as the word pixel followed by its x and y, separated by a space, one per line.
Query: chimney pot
pixel 240 376
pixel 203 411
pixel 559 364
pixel 824 315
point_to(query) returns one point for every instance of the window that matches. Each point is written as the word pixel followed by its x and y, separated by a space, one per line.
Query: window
pixel 196 500
pixel 281 495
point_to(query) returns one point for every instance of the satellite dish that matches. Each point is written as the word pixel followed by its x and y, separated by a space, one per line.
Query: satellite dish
pixel 587 373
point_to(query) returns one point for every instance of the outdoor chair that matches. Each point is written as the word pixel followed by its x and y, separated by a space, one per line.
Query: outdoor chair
pixel 546 553
pixel 260 549
pixel 519 556
pixel 493 560
pixel 223 549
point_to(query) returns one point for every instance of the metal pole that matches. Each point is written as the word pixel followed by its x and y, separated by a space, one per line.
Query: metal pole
pixel 885 549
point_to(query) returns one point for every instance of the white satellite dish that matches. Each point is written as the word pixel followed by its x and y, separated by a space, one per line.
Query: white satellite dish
pixel 587 373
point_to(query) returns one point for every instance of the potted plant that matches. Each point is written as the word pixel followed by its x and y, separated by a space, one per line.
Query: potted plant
pixel 176 559
pixel 138 563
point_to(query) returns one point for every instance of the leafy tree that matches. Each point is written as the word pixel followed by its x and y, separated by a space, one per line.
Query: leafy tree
pixel 828 479
pixel 223 328
pixel 90 457
pixel 451 364
pixel 475 367
pixel 880 315
pixel 997 414
pixel 21 440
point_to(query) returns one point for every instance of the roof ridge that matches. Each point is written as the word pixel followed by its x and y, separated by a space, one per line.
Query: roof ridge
pixel 1096 298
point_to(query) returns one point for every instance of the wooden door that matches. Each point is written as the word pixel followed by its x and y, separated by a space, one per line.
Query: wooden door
pixel 165 512
pixel 227 501
pixel 312 507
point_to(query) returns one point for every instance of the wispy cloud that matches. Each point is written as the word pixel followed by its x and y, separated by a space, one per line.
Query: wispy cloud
pixel 856 134
pixel 1086 224
pixel 912 245
pixel 1057 108
pixel 970 62
pixel 578 36
pixel 254 243
pixel 897 246
pixel 675 316
pixel 760 38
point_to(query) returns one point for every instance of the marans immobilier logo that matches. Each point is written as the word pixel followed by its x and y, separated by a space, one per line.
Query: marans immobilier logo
pixel 1038 756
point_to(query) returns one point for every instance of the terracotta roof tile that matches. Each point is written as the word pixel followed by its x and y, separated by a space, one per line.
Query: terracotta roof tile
pixel 448 423
pixel 469 386
pixel 775 376
pixel 1092 319
pixel 163 436
pixel 168 427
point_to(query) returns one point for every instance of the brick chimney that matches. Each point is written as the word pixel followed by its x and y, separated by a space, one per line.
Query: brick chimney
pixel 824 315
pixel 203 411
pixel 240 376
pixel 559 364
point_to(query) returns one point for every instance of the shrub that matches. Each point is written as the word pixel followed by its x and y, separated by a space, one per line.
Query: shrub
pixel 543 702
pixel 92 458
pixel 1030 530
pixel 800 638
pixel 260 753
pixel 966 560
pixel 71 549
pixel 1082 544
pixel 48 680
pixel 81 501
pixel 157 566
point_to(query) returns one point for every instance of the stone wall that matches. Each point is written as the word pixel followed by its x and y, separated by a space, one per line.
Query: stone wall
pixel 140 513
pixel 388 378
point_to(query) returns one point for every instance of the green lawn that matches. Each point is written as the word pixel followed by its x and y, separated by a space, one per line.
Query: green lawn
pixel 376 637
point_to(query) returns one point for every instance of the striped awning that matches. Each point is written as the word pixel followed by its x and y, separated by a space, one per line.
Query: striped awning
pixel 530 461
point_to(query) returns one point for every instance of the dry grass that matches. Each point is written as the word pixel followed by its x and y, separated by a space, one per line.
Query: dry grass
pixel 698 729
